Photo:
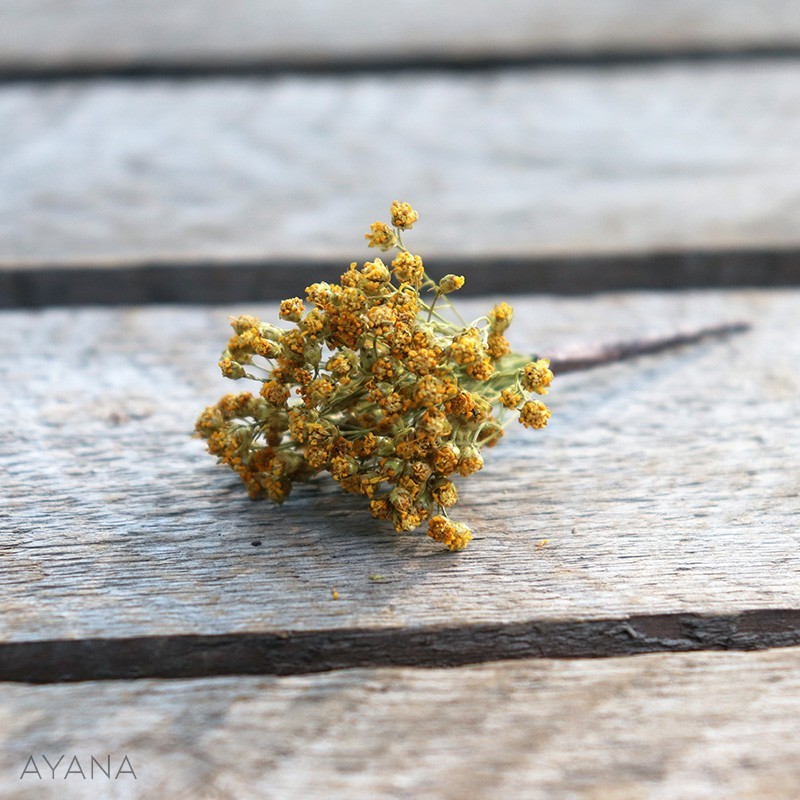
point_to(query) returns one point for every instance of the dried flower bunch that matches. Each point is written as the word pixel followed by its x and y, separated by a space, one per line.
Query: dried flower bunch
pixel 375 384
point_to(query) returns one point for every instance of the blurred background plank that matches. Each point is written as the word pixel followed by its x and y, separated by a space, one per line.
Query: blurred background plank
pixel 119 525
pixel 86 35
pixel 704 725
pixel 518 164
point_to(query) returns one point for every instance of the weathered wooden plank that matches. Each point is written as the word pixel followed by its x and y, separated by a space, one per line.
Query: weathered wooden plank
pixel 50 33
pixel 669 485
pixel 657 726
pixel 517 164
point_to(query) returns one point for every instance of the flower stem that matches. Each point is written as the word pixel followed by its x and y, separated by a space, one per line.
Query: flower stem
pixel 633 348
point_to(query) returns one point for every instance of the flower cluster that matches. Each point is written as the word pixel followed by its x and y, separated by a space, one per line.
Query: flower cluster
pixel 375 384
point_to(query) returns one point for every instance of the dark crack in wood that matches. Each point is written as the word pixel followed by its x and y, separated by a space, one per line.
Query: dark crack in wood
pixel 295 653
pixel 216 282
pixel 179 68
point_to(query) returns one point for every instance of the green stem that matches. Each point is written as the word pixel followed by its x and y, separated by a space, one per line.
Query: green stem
pixel 430 309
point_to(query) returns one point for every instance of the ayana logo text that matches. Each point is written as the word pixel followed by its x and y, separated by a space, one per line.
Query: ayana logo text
pixel 65 767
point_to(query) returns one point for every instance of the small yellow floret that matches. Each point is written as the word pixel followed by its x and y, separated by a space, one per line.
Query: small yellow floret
pixel 381 235
pixel 537 376
pixel 454 535
pixel 534 414
pixel 450 283
pixel 403 216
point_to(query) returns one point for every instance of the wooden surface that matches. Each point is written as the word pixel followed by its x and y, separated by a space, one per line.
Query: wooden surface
pixel 57 34
pixel 665 486
pixel 216 152
pixel 656 727
pixel 521 164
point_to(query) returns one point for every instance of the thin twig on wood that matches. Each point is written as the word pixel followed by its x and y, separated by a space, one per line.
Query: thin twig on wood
pixel 633 348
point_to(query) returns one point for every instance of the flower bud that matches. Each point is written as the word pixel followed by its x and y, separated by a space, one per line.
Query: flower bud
pixel 471 461
pixel 403 215
pixel 312 353
pixel 392 467
pixel 269 331
pixel 230 368
pixel 381 235
pixel 243 323
pixel 384 446
pixel 400 499
pixel 292 309
pixel 450 283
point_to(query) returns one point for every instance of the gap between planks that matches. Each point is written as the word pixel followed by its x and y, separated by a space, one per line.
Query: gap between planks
pixel 214 282
pixel 442 62
pixel 303 652
pixel 41 37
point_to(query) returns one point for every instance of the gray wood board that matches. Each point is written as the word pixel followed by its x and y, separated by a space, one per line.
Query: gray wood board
pixel 53 34
pixel 695 727
pixel 665 485
pixel 520 164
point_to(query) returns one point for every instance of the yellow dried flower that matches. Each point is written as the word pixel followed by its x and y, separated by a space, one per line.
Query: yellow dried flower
pixel 230 368
pixel 450 283
pixel 243 323
pixel 403 216
pixel 497 345
pixel 510 398
pixel 381 235
pixel 408 268
pixel 500 317
pixel 444 493
pixel 467 347
pixel 292 309
pixel 376 387
pixel 471 461
pixel 455 535
pixel 536 376
pixel 445 458
pixel 534 414
pixel 481 370
pixel 275 393
pixel 375 275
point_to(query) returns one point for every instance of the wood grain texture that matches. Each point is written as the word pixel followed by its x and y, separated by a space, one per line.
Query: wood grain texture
pixel 521 164
pixel 665 485
pixel 695 727
pixel 53 33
